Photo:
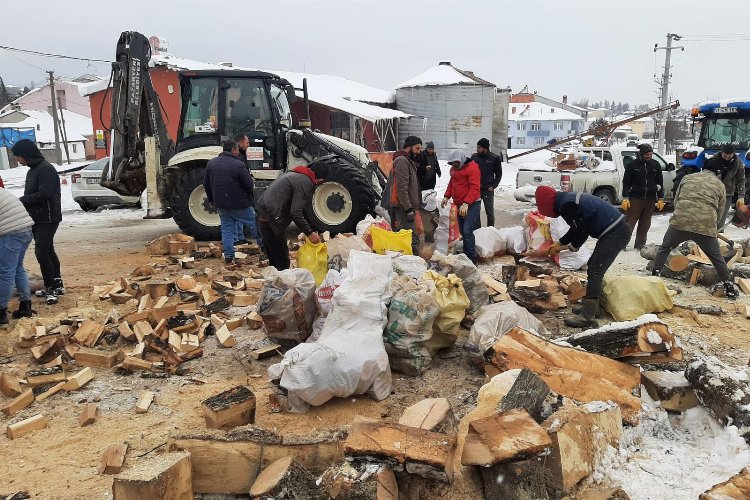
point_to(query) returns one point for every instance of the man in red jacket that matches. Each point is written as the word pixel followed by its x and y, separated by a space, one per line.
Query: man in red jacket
pixel 464 189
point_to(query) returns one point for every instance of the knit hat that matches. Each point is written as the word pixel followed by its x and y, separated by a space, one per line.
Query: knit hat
pixel 430 145
pixel 412 140
pixel 457 155
pixel 545 200
pixel 728 149
pixel 26 149
pixel 645 148
pixel 483 143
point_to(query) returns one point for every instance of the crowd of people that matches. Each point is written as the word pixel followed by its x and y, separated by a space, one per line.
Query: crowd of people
pixel 702 202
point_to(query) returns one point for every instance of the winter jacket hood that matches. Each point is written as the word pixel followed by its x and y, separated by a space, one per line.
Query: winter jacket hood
pixel 464 184
pixel 643 179
pixel 228 182
pixel 13 215
pixel 26 149
pixel 699 204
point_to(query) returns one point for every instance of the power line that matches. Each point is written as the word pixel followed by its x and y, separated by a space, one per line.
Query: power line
pixel 48 54
pixel 25 62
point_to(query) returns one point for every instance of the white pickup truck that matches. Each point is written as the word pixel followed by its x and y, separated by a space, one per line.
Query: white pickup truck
pixel 605 181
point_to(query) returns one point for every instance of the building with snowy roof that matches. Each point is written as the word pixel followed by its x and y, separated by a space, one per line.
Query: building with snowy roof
pixel 534 120
pixel 339 107
pixel 453 108
pixel 68 97
pixel 74 132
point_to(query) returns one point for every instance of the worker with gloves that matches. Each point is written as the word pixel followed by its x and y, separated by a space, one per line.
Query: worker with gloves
pixel 728 166
pixel 464 189
pixel 587 215
pixel 642 191
pixel 403 194
pixel 698 208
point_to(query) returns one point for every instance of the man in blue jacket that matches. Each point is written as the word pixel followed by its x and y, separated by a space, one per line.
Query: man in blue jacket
pixel 229 187
pixel 587 215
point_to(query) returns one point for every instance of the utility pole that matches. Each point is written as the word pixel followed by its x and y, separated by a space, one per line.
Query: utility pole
pixel 662 136
pixel 64 131
pixel 58 153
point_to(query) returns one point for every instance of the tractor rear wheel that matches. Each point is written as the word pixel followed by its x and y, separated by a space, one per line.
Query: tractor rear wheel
pixel 190 208
pixel 344 199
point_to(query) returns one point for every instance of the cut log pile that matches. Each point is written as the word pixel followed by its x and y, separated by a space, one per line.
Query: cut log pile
pixel 689 263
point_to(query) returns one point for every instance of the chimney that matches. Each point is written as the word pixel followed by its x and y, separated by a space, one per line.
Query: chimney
pixel 565 99
pixel 445 63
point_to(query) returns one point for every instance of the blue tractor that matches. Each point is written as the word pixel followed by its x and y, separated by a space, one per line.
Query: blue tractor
pixel 721 123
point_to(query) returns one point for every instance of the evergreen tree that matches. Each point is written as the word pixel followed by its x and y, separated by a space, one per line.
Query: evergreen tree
pixel 4 95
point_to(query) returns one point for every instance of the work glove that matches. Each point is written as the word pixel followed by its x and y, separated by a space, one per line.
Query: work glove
pixel 625 204
pixel 556 248
pixel 660 204
pixel 463 209
pixel 444 202
pixel 740 203
pixel 410 215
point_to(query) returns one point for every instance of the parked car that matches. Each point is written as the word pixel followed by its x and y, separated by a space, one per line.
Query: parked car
pixel 89 194
pixel 605 181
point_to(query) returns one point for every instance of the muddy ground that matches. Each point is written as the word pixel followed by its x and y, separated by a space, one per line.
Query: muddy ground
pixel 60 462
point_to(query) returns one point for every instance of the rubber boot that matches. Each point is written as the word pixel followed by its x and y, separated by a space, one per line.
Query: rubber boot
pixel 578 308
pixel 24 310
pixel 3 316
pixel 585 319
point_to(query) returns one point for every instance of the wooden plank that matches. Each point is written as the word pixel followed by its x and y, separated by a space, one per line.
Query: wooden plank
pixel 18 403
pixel 9 385
pixel 98 358
pixel 80 379
pixel 511 435
pixel 43 376
pixel 113 458
pixel 166 477
pixel 35 423
pixel 266 352
pixel 229 409
pixel 88 414
pixel 284 478
pixel 568 371
pixel 532 283
pixel 51 391
pixel 144 401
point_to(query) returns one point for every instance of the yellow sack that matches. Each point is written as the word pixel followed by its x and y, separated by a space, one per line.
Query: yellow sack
pixel 627 297
pixel 452 301
pixel 383 240
pixel 314 258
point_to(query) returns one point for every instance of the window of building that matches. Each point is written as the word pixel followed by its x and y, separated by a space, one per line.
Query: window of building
pixel 340 125
pixel 551 110
pixel 558 125
pixel 536 126
pixel 521 125
pixel 75 147
pixel 538 141
pixel 520 141
pixel 513 110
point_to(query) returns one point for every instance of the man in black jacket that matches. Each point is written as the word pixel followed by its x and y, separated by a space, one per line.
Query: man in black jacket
pixel 490 165
pixel 41 197
pixel 281 204
pixel 642 191
pixel 229 187
pixel 429 168
pixel 243 143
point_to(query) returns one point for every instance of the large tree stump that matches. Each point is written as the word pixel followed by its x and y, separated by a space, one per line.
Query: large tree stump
pixel 723 391
pixel 645 340
pixel 579 375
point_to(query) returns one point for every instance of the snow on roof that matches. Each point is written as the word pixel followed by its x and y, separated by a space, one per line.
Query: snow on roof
pixel 538 111
pixel 443 74
pixel 76 126
pixel 330 90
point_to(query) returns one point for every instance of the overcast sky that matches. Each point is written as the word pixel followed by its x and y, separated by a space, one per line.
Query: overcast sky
pixel 600 49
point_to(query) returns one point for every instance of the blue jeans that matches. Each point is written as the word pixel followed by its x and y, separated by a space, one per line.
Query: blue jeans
pixel 254 233
pixel 12 251
pixel 467 225
pixel 231 219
